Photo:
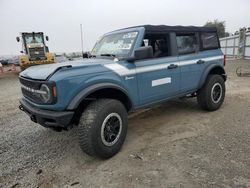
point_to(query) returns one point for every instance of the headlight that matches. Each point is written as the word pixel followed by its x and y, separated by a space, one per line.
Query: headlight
pixel 45 93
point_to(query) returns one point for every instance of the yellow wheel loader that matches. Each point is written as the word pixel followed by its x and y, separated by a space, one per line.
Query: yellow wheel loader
pixel 35 51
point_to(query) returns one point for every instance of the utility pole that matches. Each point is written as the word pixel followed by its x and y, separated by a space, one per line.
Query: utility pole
pixel 81 40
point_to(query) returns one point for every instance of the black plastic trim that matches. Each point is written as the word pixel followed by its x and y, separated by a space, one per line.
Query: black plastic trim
pixel 47 118
pixel 81 95
pixel 207 71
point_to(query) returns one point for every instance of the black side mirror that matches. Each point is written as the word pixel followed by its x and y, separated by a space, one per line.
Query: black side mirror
pixel 47 38
pixel 144 52
pixel 21 52
pixel 17 39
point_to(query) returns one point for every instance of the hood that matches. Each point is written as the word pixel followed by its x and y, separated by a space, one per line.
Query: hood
pixel 43 72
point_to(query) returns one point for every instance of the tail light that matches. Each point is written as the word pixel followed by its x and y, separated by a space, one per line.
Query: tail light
pixel 224 61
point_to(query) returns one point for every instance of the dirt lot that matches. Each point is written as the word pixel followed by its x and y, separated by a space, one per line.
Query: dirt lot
pixel 171 145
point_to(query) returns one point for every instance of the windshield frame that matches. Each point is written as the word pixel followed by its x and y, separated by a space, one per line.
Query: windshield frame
pixel 119 32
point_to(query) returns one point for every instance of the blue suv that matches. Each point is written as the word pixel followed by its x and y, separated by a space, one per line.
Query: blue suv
pixel 127 69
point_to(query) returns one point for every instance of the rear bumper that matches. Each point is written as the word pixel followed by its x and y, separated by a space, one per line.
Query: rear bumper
pixel 47 118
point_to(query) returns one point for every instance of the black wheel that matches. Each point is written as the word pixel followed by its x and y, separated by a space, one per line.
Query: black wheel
pixel 103 128
pixel 211 96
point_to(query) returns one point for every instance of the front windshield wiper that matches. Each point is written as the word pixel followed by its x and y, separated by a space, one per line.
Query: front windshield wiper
pixel 109 55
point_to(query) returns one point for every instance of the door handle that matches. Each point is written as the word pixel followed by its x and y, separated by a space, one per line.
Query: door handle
pixel 172 66
pixel 200 61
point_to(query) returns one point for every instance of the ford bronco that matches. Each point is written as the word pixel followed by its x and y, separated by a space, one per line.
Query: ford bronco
pixel 127 69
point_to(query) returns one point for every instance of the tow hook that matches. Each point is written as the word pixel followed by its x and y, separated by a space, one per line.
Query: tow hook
pixel 21 107
pixel 33 118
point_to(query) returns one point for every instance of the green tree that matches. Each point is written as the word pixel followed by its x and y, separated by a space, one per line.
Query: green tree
pixel 220 25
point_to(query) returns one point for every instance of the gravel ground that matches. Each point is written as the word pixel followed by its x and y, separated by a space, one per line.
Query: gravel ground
pixel 174 144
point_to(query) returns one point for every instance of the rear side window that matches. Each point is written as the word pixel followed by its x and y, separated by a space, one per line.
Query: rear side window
pixel 186 43
pixel 209 41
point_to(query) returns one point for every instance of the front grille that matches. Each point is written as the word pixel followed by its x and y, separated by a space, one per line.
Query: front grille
pixel 32 84
pixel 37 53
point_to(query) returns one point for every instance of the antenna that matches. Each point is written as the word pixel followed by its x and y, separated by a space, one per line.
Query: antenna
pixel 81 40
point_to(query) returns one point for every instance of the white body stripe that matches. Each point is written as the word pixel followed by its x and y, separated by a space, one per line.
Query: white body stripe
pixel 161 81
pixel 122 71
pixel 190 62
pixel 119 69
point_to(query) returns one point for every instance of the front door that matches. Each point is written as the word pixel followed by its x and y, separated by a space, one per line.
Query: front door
pixel 158 79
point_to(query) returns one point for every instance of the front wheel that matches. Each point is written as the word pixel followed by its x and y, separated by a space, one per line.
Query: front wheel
pixel 103 128
pixel 211 96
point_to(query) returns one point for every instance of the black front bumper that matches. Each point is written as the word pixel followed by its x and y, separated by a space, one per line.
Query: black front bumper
pixel 47 118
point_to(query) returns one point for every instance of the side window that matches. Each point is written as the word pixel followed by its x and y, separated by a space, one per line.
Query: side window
pixel 186 43
pixel 209 41
pixel 160 44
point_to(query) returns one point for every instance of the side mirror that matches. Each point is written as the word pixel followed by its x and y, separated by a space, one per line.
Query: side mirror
pixel 17 39
pixel 144 52
pixel 47 38
pixel 21 52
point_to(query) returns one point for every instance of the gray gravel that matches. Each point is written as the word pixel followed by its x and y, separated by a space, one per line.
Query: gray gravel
pixel 170 145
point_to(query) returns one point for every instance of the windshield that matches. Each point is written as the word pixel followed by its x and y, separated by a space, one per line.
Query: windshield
pixel 36 39
pixel 115 44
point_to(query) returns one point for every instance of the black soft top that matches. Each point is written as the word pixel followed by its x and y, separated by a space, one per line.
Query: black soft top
pixel 165 29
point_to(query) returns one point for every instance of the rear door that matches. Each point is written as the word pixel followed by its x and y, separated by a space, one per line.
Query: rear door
pixel 196 52
pixel 191 63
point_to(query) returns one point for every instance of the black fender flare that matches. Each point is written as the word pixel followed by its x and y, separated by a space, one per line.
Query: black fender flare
pixel 85 92
pixel 208 70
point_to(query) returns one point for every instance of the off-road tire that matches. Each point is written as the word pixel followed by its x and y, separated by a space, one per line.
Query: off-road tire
pixel 204 95
pixel 90 126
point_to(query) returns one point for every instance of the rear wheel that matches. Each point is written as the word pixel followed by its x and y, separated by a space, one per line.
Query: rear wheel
pixel 211 96
pixel 103 128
